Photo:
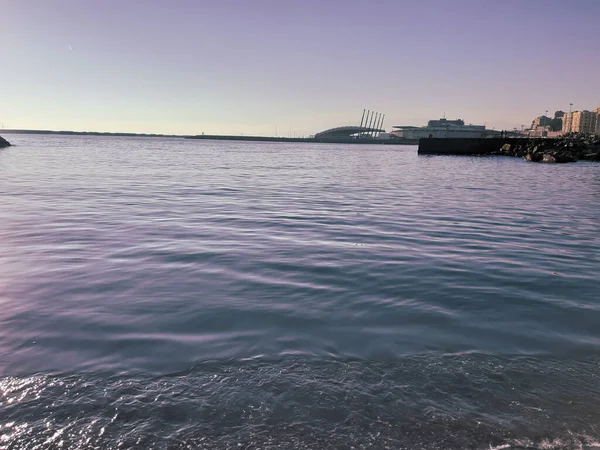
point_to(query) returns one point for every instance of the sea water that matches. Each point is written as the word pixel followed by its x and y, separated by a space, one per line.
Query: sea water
pixel 173 293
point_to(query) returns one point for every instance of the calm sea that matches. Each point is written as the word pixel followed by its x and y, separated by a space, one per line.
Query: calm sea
pixel 171 293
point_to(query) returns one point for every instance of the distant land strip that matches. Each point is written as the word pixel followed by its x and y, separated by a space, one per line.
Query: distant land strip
pixel 89 133
pixel 219 137
pixel 324 140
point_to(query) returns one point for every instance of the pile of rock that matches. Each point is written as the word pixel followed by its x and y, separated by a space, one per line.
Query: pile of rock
pixel 563 150
pixel 4 142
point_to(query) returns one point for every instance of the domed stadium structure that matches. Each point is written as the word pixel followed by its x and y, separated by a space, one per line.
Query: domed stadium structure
pixel 348 131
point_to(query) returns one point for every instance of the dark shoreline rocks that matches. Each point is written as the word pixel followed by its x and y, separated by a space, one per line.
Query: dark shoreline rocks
pixel 569 148
pixel 4 142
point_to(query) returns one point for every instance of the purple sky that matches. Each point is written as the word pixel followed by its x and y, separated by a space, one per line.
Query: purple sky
pixel 239 66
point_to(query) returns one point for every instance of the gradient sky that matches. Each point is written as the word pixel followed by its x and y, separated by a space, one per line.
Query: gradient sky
pixel 254 66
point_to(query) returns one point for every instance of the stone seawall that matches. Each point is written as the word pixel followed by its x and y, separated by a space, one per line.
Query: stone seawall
pixel 566 149
pixel 563 150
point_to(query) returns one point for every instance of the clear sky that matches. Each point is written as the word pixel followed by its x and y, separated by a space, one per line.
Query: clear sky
pixel 254 66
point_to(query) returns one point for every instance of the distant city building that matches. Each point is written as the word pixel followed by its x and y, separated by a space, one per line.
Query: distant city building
pixel 549 123
pixel 567 121
pixel 538 131
pixel 442 128
pixel 597 129
pixel 579 122
pixel 541 121
pixel 584 122
pixel 556 123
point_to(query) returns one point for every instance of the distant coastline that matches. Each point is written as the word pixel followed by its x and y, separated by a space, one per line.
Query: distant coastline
pixel 89 133
pixel 218 137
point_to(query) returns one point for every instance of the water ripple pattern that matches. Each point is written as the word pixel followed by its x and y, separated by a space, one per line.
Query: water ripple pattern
pixel 172 293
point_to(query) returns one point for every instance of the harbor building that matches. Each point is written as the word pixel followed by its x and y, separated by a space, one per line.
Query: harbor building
pixel 597 128
pixel 442 128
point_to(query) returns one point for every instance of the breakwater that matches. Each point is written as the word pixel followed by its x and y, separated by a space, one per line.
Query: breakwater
pixel 462 146
pixel 561 150
pixel 4 142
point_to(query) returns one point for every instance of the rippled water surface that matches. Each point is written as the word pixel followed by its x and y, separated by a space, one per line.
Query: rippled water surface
pixel 170 293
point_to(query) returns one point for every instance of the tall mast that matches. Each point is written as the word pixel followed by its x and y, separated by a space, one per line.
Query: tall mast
pixel 362 118
pixel 375 131
pixel 375 124
pixel 370 127
pixel 366 121
pixel 381 123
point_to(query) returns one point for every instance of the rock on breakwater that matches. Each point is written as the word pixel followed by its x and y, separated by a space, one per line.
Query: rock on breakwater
pixel 4 142
pixel 563 150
